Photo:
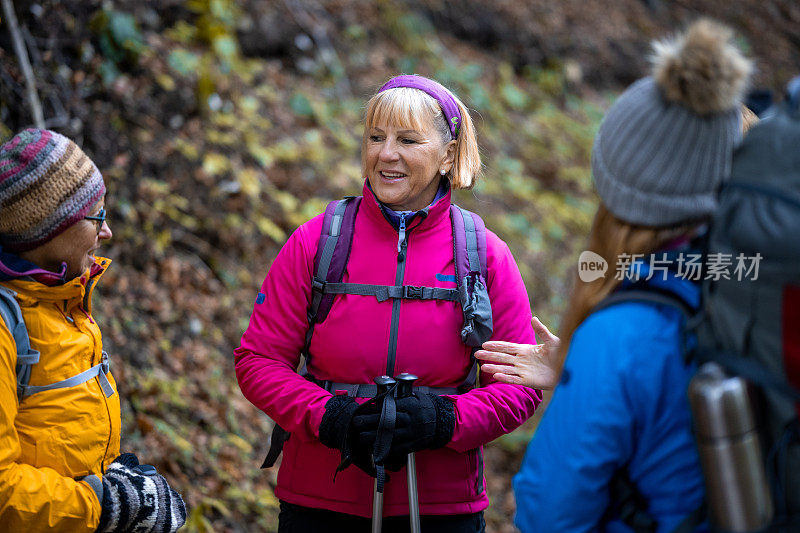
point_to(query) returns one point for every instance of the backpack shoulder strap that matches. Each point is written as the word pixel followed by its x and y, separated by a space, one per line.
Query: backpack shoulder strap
pixel 26 356
pixel 469 242
pixel 333 249
pixel 330 261
pixel 692 316
pixel 650 295
pixel 469 255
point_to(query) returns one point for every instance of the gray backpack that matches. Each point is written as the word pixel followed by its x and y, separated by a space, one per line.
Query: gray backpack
pixel 751 322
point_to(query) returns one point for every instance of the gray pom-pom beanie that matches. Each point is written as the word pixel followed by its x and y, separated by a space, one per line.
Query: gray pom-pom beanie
pixel 666 144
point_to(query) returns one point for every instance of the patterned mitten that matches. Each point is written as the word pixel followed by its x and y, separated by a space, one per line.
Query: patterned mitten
pixel 136 498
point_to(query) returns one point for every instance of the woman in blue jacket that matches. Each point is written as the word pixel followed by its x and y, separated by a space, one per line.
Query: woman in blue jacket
pixel 619 420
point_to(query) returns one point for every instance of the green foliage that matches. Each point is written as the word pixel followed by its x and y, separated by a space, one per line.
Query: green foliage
pixel 300 105
pixel 5 133
pixel 216 26
pixel 120 41
pixel 183 62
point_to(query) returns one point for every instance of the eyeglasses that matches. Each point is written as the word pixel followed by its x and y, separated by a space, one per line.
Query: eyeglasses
pixel 99 219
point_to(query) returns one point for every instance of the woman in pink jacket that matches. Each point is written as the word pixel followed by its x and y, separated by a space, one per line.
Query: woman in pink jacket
pixel 419 142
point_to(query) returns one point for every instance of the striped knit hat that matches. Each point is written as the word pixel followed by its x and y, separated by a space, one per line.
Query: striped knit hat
pixel 47 184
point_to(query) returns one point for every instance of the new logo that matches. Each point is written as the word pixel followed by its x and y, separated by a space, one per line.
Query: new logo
pixel 591 266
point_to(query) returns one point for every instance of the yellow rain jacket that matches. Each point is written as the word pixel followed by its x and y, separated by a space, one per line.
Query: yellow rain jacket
pixel 52 437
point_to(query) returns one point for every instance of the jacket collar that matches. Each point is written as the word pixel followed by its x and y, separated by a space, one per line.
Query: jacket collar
pixel 423 219
pixel 13 266
pixel 81 287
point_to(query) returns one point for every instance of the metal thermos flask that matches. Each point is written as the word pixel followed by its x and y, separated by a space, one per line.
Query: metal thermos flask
pixel 738 496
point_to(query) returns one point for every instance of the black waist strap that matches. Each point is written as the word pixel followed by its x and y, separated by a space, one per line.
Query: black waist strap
pixel 354 390
pixel 370 390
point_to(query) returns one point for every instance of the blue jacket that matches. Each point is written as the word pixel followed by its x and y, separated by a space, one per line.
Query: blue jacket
pixel 621 401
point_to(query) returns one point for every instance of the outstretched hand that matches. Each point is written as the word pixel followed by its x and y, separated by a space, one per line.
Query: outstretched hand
pixel 533 365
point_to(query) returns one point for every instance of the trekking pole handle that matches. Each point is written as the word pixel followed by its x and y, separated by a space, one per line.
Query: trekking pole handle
pixel 384 383
pixel 405 384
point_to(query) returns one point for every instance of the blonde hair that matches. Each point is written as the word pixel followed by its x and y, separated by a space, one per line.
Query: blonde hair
pixel 405 107
pixel 749 119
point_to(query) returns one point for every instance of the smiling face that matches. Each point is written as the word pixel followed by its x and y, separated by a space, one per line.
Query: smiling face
pixel 403 165
pixel 404 152
pixel 75 246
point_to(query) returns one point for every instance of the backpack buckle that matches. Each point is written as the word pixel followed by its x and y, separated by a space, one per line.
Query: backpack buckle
pixel 411 292
pixel 318 285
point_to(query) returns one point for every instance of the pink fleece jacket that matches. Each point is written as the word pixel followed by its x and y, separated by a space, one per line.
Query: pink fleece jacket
pixel 352 346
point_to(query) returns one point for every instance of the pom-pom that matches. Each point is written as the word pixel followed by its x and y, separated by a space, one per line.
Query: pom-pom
pixel 702 69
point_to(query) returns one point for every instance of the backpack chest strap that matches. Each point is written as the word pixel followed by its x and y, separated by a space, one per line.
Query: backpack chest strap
pixel 384 292
pixel 100 370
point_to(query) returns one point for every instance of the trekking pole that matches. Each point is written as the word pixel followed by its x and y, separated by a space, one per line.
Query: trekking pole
pixel 405 382
pixel 383 383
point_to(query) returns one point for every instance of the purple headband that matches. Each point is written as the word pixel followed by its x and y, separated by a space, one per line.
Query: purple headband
pixel 434 89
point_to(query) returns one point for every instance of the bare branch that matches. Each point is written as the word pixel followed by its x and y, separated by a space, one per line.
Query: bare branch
pixel 25 65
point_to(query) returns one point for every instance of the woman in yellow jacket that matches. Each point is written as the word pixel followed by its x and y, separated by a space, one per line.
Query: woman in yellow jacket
pixel 60 466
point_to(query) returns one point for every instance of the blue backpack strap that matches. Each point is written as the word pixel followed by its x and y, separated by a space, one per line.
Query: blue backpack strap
pixel 26 356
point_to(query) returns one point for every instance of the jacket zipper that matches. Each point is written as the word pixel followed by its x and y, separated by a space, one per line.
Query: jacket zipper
pixel 402 246
pixel 86 297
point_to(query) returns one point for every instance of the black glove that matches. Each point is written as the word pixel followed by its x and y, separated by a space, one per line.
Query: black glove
pixel 424 422
pixel 137 498
pixel 336 431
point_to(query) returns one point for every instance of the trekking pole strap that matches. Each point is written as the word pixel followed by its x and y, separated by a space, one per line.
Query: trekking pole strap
pixel 277 440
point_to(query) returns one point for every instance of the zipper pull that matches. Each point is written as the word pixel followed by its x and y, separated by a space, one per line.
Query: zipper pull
pixel 401 240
